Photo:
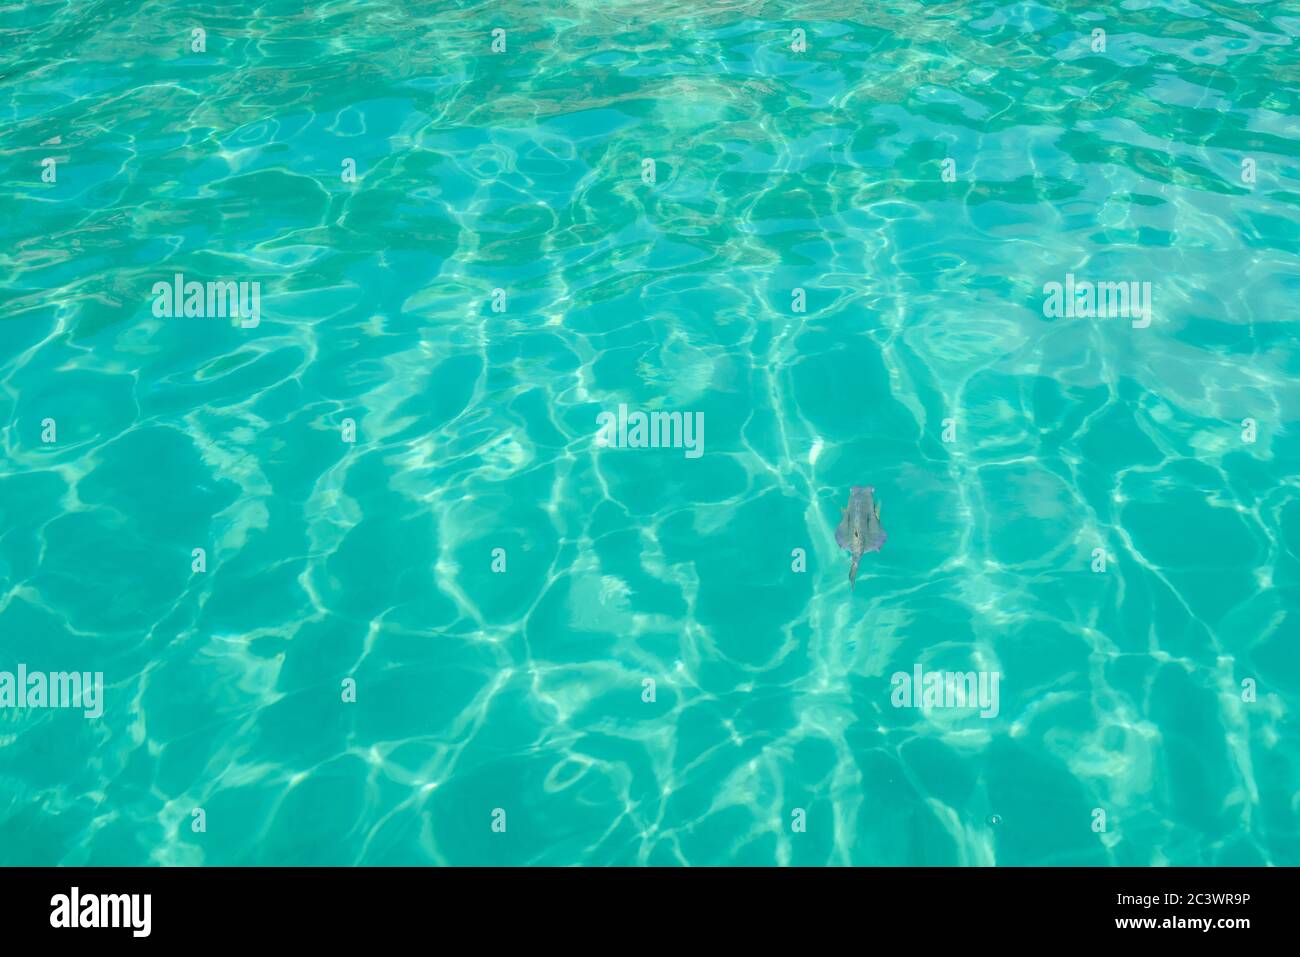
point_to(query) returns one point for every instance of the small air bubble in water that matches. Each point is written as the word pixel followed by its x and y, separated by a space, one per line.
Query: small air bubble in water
pixel 993 820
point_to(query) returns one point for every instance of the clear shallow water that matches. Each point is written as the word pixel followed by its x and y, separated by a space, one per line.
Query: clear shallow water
pixel 522 690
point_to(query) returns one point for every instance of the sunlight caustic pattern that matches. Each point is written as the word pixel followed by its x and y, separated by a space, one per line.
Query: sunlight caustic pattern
pixel 429 423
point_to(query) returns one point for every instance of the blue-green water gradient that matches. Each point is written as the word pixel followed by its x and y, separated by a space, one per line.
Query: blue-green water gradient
pixel 1104 515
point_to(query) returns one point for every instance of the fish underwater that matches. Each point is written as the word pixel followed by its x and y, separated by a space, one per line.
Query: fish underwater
pixel 859 530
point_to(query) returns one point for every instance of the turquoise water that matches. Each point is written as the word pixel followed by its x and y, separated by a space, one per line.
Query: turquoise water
pixel 1074 504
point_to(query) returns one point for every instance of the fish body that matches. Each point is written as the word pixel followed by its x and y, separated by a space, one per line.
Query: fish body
pixel 859 530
